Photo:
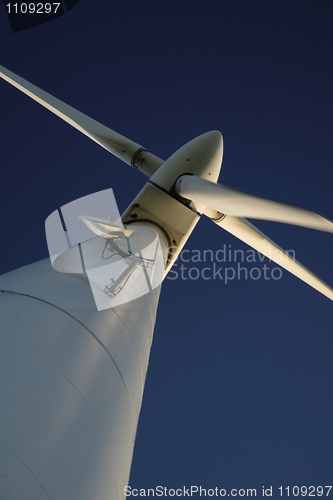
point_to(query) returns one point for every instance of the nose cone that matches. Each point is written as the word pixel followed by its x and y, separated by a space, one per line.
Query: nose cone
pixel 207 149
pixel 210 140
pixel 202 157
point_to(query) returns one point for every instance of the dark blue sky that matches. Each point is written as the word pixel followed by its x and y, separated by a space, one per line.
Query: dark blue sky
pixel 239 390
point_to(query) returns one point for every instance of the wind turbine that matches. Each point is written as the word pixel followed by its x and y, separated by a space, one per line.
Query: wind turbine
pixel 74 376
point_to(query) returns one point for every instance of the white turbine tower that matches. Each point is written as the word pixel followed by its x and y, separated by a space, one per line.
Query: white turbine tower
pixel 72 377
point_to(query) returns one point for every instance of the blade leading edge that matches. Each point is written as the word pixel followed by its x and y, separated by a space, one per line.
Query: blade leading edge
pixel 247 232
pixel 130 152
pixel 230 201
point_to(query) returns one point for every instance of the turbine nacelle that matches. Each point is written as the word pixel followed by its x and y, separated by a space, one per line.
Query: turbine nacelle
pixel 157 202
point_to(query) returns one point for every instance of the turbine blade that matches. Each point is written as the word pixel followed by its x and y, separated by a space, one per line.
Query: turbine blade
pixel 130 152
pixel 245 231
pixel 236 203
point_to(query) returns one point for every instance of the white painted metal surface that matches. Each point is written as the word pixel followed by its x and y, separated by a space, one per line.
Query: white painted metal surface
pixel 71 386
